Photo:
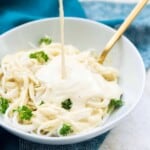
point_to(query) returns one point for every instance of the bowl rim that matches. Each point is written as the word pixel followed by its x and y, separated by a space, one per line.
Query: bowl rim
pixel 93 132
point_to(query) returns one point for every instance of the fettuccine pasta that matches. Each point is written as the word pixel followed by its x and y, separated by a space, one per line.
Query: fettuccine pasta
pixel 41 102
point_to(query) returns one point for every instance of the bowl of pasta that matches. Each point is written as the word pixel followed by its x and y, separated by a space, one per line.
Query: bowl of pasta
pixel 38 104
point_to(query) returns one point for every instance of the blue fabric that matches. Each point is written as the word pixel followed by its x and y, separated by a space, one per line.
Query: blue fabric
pixel 16 12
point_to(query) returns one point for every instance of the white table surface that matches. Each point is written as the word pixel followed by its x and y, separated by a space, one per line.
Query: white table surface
pixel 133 133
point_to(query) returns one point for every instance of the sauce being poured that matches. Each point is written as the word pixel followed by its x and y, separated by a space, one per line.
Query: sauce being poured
pixel 61 12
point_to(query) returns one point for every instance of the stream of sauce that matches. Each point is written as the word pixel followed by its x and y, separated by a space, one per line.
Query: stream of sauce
pixel 61 13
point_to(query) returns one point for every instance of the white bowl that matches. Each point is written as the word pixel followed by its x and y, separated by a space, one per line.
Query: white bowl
pixel 83 34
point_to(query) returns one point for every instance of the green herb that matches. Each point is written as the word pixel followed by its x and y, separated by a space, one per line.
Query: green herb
pixel 114 104
pixel 24 112
pixel 67 104
pixel 4 104
pixel 65 130
pixel 40 56
pixel 46 40
pixel 42 102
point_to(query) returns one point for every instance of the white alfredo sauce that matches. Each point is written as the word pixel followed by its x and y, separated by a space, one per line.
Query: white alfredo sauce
pixel 79 85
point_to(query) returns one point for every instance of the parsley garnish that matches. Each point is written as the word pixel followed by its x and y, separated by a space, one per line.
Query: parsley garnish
pixel 4 104
pixel 114 104
pixel 46 40
pixel 67 104
pixel 24 112
pixel 41 103
pixel 40 56
pixel 65 130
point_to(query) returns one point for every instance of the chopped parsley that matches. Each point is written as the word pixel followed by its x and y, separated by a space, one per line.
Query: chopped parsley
pixel 41 103
pixel 4 104
pixel 40 56
pixel 24 112
pixel 65 130
pixel 114 104
pixel 67 104
pixel 45 40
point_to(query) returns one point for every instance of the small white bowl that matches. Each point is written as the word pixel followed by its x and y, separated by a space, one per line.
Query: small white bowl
pixel 83 34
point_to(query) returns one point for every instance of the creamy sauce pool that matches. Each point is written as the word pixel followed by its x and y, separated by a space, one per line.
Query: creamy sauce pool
pixel 80 83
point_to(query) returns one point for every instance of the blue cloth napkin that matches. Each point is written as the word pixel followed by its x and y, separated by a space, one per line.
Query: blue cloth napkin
pixel 16 12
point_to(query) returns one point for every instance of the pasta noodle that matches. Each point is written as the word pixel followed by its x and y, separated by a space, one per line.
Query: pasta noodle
pixel 81 100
